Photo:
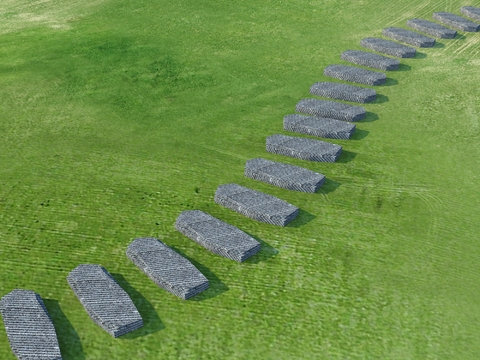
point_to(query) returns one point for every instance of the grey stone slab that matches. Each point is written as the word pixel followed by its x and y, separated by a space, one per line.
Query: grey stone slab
pixel 431 28
pixel 107 304
pixel 217 236
pixel 166 268
pixel 273 211
pixel 28 325
pixel 408 37
pixel 331 109
pixel 343 92
pixel 456 21
pixel 388 47
pixel 355 74
pixel 371 60
pixel 286 176
pixel 306 149
pixel 318 126
pixel 471 11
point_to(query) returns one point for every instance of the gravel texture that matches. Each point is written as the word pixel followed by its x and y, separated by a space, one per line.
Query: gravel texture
pixel 331 109
pixel 408 37
pixel 318 126
pixel 388 47
pixel 368 59
pixel 456 21
pixel 355 74
pixel 344 92
pixel 166 268
pixel 472 12
pixel 107 304
pixel 29 328
pixel 255 204
pixel 431 28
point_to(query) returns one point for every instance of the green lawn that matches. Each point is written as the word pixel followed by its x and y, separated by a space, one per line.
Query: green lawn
pixel 115 116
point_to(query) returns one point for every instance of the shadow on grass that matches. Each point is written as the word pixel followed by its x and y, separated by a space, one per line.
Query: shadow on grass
pixel 420 55
pixel 369 117
pixel 380 99
pixel 359 134
pixel 459 37
pixel 266 251
pixel 346 156
pixel 404 67
pixel 151 321
pixel 329 186
pixel 302 218
pixel 389 82
pixel 216 286
pixel 68 339
pixel 438 44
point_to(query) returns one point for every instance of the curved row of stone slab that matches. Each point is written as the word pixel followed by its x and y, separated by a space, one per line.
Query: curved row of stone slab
pixel 431 28
pixel 368 59
pixel 331 109
pixel 29 328
pixel 355 74
pixel 282 175
pixel 318 126
pixel 166 268
pixel 343 92
pixel 217 236
pixel 456 21
pixel 388 47
pixel 408 37
pixel 255 204
pixel 471 12
pixel 107 304
pixel 302 148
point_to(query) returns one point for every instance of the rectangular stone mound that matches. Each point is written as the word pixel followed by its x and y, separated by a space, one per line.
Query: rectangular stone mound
pixel 456 21
pixel 301 148
pixel 217 236
pixel 286 176
pixel 29 328
pixel 166 268
pixel 354 74
pixel 343 92
pixel 408 37
pixel 255 204
pixel 388 47
pixel 375 61
pixel 472 12
pixel 331 109
pixel 107 304
pixel 431 28
pixel 318 126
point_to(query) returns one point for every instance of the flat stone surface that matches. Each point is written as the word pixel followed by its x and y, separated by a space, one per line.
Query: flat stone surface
pixel 431 28
pixel 331 109
pixel 343 92
pixel 29 328
pixel 217 236
pixel 166 268
pixel 409 37
pixel 318 126
pixel 388 47
pixel 355 74
pixel 371 60
pixel 471 11
pixel 286 176
pixel 107 304
pixel 270 210
pixel 456 21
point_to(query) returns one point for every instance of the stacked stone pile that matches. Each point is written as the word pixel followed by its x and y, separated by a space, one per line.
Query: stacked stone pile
pixel 331 109
pixel 301 148
pixel 343 92
pixel 107 304
pixel 471 12
pixel 217 236
pixel 388 47
pixel 318 126
pixel 286 176
pixel 456 21
pixel 166 268
pixel 409 37
pixel 367 59
pixel 30 330
pixel 354 74
pixel 431 28
pixel 255 204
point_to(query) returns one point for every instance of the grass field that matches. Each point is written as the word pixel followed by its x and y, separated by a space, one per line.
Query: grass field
pixel 115 116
